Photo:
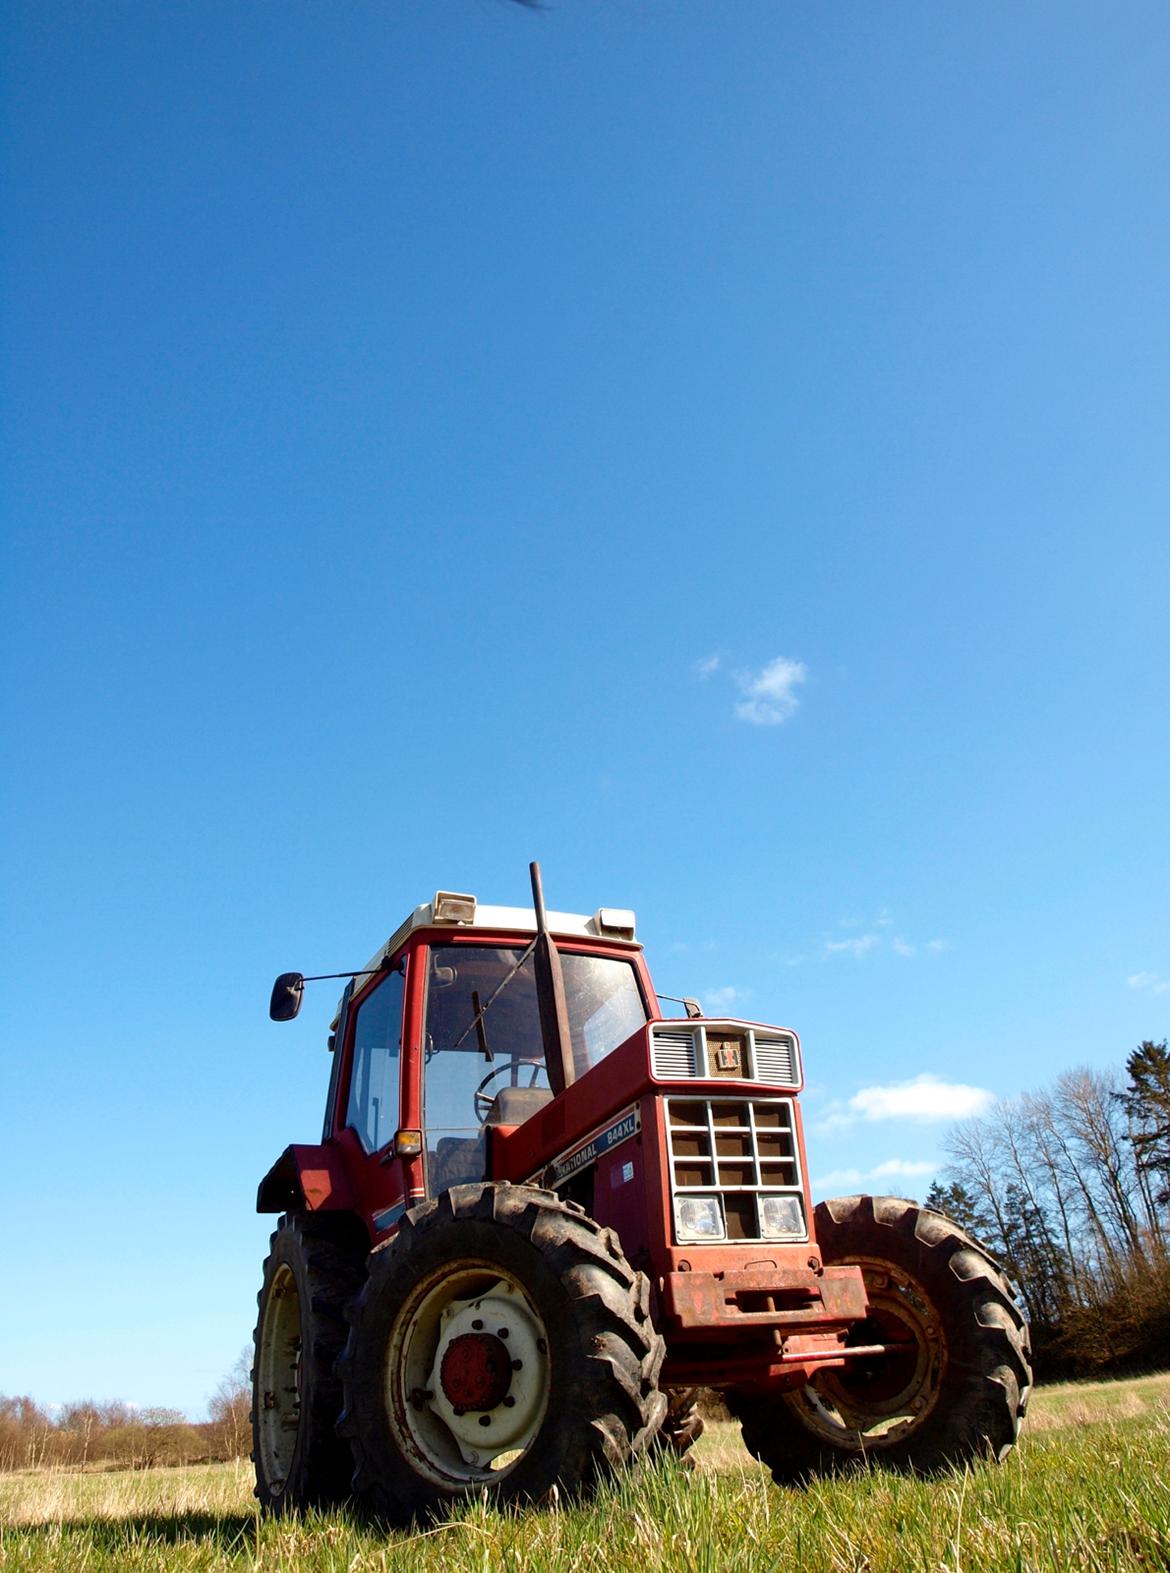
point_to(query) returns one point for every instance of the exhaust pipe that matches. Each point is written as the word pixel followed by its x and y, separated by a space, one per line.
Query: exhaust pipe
pixel 550 996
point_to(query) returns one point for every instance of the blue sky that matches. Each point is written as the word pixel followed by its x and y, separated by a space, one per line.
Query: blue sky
pixel 720 450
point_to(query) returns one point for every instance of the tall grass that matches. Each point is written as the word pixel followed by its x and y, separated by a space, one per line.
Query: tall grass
pixel 1086 1489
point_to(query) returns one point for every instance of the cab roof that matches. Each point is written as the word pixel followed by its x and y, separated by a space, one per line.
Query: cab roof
pixel 464 914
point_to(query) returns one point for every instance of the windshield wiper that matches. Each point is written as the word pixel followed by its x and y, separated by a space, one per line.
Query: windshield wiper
pixel 481 1011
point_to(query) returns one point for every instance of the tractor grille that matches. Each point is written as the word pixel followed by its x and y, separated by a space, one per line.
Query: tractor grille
pixel 674 1055
pixel 717 1050
pixel 776 1061
pixel 739 1162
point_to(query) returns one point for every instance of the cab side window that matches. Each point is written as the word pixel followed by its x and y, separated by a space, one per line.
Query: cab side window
pixel 373 1081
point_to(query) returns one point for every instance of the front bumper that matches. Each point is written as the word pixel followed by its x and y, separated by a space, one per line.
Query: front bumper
pixel 789 1300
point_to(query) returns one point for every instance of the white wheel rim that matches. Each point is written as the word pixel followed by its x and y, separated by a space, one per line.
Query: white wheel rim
pixel 449 1443
pixel 278 1379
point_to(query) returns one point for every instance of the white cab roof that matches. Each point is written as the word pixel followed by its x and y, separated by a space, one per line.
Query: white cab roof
pixel 511 920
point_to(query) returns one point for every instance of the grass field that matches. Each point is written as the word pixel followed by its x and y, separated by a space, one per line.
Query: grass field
pixel 1088 1488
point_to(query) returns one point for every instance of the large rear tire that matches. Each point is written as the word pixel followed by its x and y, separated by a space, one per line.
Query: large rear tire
pixel 313 1271
pixel 957 1390
pixel 502 1343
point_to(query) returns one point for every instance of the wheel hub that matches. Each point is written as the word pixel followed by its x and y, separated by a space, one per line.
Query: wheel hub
pixel 472 1367
pixel 878 1401
pixel 475 1371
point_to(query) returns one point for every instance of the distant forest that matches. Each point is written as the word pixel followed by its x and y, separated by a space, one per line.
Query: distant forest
pixel 1070 1189
pixel 116 1436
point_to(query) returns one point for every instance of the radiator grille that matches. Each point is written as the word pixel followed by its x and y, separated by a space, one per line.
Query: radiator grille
pixel 738 1151
pixel 776 1061
pixel 689 1053
pixel 673 1055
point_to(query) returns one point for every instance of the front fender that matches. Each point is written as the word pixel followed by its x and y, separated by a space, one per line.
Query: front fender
pixel 308 1178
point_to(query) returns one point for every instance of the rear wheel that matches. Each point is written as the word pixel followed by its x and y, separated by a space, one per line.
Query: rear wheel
pixel 503 1343
pixel 311 1274
pixel 955 1389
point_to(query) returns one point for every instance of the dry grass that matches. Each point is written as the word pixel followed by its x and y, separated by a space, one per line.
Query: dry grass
pixel 1086 1403
pixel 1086 1489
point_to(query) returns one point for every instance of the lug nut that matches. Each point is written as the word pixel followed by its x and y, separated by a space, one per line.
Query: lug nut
pixel 485 1420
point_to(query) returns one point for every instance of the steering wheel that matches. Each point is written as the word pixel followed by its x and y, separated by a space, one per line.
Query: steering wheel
pixel 481 1099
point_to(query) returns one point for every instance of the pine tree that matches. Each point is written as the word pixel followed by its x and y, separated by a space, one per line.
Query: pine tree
pixel 1147 1103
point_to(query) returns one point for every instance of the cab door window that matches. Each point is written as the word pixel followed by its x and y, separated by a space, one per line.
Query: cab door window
pixel 372 1110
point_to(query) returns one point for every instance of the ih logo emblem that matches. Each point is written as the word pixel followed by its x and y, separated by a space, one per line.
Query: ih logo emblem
pixel 727 1057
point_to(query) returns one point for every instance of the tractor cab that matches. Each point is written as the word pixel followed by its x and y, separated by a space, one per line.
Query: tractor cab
pixel 439 1049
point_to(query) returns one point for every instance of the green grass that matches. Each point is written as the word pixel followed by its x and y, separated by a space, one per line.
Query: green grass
pixel 1088 1488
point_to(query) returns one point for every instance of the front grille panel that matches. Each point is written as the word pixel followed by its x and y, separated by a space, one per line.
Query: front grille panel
pixel 672 1054
pixel 776 1061
pixel 716 1050
pixel 739 1150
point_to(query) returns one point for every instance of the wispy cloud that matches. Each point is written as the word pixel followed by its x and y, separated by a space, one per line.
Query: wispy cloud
pixel 879 937
pixel 838 1180
pixel 859 946
pixel 707 665
pixel 902 1166
pixel 722 998
pixel 924 1099
pixel 769 695
pixel 1148 982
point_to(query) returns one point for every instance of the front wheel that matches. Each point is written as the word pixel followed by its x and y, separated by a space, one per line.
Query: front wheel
pixel 502 1343
pixel 955 1382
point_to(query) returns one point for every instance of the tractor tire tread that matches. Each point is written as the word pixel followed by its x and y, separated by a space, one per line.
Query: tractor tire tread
pixel 612 1348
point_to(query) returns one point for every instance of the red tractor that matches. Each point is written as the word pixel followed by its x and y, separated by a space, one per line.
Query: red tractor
pixel 542 1214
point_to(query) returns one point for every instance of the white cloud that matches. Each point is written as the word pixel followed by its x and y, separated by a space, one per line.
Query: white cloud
pixel 879 936
pixel 843 1180
pixel 1153 981
pixel 860 946
pixel 901 1166
pixel 838 1180
pixel 769 696
pixel 720 999
pixel 923 1098
pixel 707 665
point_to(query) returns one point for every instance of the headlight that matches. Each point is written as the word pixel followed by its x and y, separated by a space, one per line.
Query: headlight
pixel 698 1218
pixel 780 1216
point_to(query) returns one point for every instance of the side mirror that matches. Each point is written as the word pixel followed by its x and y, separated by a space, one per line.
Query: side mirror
pixel 287 993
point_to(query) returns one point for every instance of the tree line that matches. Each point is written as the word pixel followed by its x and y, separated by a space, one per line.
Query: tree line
pixel 115 1435
pixel 1070 1189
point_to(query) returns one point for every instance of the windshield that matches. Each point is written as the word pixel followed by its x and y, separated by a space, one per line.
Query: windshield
pixel 461 1082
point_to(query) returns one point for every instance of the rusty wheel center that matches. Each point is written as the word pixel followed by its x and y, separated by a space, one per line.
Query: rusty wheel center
pixel 476 1371
pixel 885 1377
